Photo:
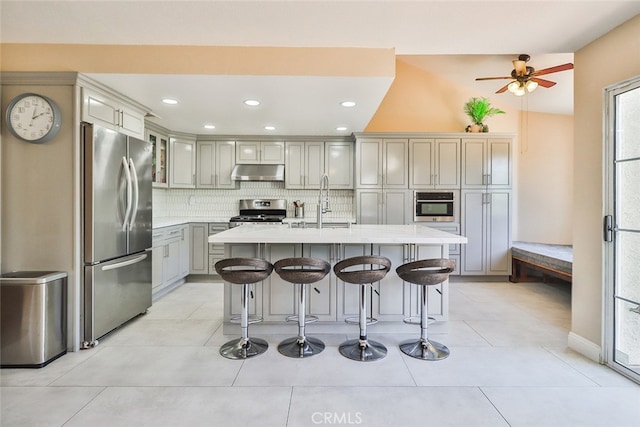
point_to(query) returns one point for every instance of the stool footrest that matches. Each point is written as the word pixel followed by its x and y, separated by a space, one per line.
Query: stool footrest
pixel 415 320
pixel 307 319
pixel 354 320
pixel 252 319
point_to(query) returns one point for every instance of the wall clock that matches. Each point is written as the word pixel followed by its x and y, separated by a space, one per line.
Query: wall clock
pixel 33 118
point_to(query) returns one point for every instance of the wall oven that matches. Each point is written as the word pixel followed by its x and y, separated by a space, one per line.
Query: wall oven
pixel 435 206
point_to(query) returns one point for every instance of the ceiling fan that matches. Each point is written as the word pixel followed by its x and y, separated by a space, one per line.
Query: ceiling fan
pixel 525 78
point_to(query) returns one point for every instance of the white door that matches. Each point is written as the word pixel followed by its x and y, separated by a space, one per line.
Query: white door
pixel 622 229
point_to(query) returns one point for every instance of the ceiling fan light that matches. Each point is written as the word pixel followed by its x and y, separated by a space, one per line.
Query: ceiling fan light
pixel 531 85
pixel 513 86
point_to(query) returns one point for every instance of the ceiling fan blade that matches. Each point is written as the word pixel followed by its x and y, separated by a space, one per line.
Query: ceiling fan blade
pixel 493 78
pixel 543 82
pixel 563 67
pixel 503 88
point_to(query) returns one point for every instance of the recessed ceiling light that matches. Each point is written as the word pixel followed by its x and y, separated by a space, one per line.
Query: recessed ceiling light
pixel 209 126
pixel 348 103
pixel 269 128
pixel 170 101
pixel 341 128
pixel 252 102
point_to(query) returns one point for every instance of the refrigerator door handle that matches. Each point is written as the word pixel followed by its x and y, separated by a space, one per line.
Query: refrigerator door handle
pixel 136 192
pixel 125 263
pixel 127 174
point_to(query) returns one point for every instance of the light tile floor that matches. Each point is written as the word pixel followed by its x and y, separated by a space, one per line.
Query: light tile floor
pixel 509 366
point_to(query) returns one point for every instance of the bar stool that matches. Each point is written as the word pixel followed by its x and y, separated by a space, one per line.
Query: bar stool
pixel 427 272
pixel 244 271
pixel 363 349
pixel 301 271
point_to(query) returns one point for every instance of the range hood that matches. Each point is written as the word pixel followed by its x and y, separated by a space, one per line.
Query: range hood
pixel 255 172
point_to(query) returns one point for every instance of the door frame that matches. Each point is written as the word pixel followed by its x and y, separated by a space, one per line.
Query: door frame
pixel 608 247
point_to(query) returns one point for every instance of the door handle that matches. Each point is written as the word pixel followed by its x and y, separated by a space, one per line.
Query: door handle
pixel 127 174
pixel 607 228
pixel 136 191
pixel 125 263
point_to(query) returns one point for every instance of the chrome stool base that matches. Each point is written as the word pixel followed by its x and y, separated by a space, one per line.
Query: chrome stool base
pixel 243 348
pixel 424 349
pixel 362 350
pixel 292 348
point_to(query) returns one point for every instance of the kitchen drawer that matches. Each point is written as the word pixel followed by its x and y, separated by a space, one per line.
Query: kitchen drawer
pixel 217 227
pixel 212 263
pixel 453 228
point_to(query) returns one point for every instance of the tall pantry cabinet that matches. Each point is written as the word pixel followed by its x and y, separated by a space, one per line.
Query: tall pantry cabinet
pixel 486 205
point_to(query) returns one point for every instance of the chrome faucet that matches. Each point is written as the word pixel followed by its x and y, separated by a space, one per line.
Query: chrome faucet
pixel 323 207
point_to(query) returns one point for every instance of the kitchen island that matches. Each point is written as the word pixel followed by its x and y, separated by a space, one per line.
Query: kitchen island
pixel 332 300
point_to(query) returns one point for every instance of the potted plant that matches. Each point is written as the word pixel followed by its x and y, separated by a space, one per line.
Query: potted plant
pixel 478 109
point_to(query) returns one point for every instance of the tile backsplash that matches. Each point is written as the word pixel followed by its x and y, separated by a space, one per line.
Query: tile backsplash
pixel 206 203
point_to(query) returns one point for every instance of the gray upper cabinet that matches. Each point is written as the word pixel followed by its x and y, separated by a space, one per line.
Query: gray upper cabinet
pixel 304 163
pixel 486 162
pixel 382 163
pixel 434 163
pixel 215 161
pixel 260 152
pixel 183 163
pixel 106 110
pixel 338 164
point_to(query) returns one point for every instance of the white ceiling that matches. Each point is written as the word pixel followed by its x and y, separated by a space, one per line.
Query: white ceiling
pixel 459 40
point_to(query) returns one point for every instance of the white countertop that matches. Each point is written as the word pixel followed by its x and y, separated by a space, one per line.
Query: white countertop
pixel 357 233
pixel 170 221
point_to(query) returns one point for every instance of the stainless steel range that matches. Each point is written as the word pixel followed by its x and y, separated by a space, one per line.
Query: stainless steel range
pixel 260 211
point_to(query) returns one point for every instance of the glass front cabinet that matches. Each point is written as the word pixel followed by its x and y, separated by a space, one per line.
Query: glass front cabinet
pixel 159 159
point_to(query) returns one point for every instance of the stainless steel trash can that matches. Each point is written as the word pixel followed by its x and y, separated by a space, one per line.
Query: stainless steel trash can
pixel 34 318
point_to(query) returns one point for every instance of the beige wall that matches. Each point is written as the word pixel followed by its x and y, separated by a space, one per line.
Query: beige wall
pixel 612 58
pixel 545 179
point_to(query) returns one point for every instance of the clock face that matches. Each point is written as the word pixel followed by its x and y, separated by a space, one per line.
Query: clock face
pixel 33 118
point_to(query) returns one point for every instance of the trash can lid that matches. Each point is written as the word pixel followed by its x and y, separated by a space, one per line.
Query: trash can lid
pixel 31 277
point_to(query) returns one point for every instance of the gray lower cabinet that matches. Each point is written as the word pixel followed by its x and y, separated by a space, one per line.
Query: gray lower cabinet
pixel 216 250
pixel 486 222
pixel 199 252
pixel 280 298
pixel 233 293
pixel 386 206
pixel 170 257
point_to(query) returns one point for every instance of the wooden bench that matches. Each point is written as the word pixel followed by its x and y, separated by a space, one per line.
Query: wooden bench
pixel 540 262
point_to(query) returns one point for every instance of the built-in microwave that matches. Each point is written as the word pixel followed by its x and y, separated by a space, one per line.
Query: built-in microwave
pixel 435 206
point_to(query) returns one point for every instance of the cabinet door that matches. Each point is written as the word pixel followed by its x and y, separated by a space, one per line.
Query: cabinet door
pixel 171 265
pixel 294 165
pixel 314 165
pixel 131 122
pixel 206 156
pixel 390 295
pixel 473 163
pixel 321 296
pixel 225 161
pixel 99 109
pixel 395 163
pixel 369 163
pixel 184 251
pixel 339 164
pixel 279 296
pixel 397 207
pixel 447 163
pixel 247 152
pixel 499 163
pixel 498 226
pixel 233 292
pixel 199 252
pixel 348 294
pixel 473 227
pixel 159 158
pixel 421 171
pixel 272 152
pixel 369 207
pixel 216 250
pixel 157 260
pixel 183 163
pixel 437 295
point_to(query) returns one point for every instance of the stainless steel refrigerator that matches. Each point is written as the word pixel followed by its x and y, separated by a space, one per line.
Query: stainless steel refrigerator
pixel 116 231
